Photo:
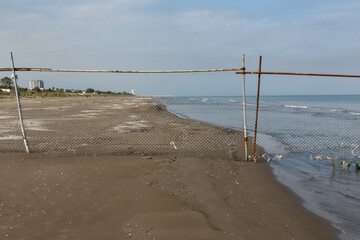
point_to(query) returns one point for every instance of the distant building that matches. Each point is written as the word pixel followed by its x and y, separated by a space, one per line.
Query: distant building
pixel 36 83
pixel 132 92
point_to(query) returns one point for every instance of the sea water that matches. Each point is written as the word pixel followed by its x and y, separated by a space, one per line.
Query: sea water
pixel 307 131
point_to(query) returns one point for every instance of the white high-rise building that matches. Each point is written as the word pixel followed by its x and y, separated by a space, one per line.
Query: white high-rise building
pixel 36 83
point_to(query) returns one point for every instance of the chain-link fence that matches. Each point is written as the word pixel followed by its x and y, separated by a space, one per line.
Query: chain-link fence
pixel 10 133
pixel 113 124
pixel 298 129
pixel 317 125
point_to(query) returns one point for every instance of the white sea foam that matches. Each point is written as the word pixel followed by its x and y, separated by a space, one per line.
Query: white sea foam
pixel 251 104
pixel 294 106
pixel 344 111
pixel 355 113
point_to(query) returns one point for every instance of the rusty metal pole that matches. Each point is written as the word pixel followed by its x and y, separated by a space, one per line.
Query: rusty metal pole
pixel 244 109
pixel 120 71
pixel 257 108
pixel 14 77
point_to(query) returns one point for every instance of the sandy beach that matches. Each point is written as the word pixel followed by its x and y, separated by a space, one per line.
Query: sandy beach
pixel 131 190
pixel 124 125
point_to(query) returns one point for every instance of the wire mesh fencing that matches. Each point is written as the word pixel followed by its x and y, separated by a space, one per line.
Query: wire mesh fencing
pixel 318 125
pixel 314 126
pixel 198 126
pixel 10 133
pixel 321 127
pixel 123 125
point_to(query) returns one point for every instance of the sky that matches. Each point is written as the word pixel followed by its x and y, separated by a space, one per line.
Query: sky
pixel 317 36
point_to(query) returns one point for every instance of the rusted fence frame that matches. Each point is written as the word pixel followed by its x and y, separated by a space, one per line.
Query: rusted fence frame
pixel 257 108
pixel 244 111
pixel 120 71
pixel 259 73
pixel 176 71
pixel 14 77
pixel 304 74
pixel 243 72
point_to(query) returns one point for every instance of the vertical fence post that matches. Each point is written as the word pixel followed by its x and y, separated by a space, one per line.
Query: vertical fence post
pixel 244 110
pixel 257 108
pixel 14 77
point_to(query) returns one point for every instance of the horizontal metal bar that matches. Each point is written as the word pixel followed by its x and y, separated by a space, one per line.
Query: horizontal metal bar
pixel 175 71
pixel 120 71
pixel 303 74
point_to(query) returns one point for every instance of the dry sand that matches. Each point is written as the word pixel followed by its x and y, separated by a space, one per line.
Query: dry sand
pixel 203 194
pixel 123 125
pixel 132 197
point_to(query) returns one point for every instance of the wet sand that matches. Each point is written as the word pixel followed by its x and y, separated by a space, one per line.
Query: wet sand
pixel 197 193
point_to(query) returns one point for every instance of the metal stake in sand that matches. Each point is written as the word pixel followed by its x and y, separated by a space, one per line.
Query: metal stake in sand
pixel 18 103
pixel 257 108
pixel 244 110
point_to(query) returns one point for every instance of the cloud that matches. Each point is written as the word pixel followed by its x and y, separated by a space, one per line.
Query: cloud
pixel 331 15
pixel 348 6
pixel 57 11
pixel 106 8
pixel 20 17
pixel 116 35
pixel 339 10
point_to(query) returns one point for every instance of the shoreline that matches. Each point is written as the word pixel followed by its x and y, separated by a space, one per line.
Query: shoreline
pixel 320 190
pixel 199 194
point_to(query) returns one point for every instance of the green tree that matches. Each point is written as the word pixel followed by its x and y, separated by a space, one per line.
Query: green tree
pixel 36 89
pixel 7 82
pixel 89 90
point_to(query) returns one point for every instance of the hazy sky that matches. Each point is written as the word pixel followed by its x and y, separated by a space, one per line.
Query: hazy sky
pixel 300 36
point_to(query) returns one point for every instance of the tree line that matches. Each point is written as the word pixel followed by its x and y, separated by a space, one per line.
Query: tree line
pixel 8 83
